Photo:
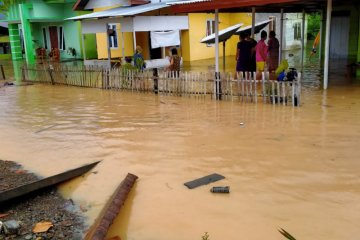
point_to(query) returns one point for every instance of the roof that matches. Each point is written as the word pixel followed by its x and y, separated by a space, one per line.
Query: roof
pixel 258 27
pixel 80 5
pixel 122 11
pixel 224 34
pixel 261 5
pixel 187 2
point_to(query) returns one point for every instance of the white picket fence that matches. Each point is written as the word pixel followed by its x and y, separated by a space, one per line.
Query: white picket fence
pixel 240 87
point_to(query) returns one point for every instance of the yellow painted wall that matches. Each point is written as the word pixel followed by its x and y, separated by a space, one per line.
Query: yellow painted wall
pixel 101 41
pixel 142 40
pixel 194 50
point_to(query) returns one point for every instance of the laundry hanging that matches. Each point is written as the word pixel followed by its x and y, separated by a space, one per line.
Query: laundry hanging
pixel 165 39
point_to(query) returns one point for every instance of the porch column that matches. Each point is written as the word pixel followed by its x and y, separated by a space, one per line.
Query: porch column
pixel 327 43
pixel 134 37
pixel 302 40
pixel 108 44
pixel 15 43
pixel 122 47
pixel 281 34
pixel 83 46
pixel 321 36
pixel 217 73
pixel 26 30
pixel 253 22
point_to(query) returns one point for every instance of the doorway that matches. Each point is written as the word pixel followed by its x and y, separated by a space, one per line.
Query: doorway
pixel 339 35
pixel 155 53
pixel 54 40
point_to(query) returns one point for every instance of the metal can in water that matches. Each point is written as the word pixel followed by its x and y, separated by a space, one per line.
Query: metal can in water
pixel 220 189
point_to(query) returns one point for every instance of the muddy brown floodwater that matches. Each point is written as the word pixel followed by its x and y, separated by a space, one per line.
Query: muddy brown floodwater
pixel 291 168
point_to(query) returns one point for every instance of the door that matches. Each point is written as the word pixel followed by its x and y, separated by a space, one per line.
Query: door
pixel 54 40
pixel 339 37
pixel 155 53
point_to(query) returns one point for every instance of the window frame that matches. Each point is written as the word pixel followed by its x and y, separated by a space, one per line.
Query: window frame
pixel 297 30
pixel 61 38
pixel 210 22
pixel 45 38
pixel 113 39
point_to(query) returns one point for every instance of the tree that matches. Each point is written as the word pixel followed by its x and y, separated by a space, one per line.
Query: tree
pixel 314 21
pixel 5 6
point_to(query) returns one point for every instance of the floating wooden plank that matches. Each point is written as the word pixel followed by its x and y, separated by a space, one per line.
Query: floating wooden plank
pixel 112 208
pixel 43 183
pixel 204 180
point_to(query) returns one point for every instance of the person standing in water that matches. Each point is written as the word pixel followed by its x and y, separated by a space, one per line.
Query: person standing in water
pixel 175 62
pixel 261 54
pixel 273 52
pixel 139 61
pixel 243 54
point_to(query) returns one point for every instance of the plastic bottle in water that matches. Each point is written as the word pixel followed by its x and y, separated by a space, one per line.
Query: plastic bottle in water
pixel 220 189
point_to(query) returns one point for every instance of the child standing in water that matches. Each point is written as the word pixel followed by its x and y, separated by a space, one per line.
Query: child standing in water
pixel 261 54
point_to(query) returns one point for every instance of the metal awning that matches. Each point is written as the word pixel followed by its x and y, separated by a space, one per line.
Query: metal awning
pixel 122 11
pixel 258 27
pixel 224 34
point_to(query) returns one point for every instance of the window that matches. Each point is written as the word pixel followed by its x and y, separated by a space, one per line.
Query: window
pixel 45 38
pixel 297 31
pixel 210 27
pixel 62 45
pixel 113 40
pixel 272 23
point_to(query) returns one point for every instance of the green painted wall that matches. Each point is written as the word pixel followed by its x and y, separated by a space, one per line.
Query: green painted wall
pixel 35 15
pixel 24 10
pixel 90 46
pixel 15 44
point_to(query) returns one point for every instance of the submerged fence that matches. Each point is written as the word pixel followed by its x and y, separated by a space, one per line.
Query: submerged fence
pixel 240 87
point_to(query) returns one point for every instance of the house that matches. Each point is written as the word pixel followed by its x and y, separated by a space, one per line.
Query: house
pixel 5 52
pixel 36 24
pixel 200 25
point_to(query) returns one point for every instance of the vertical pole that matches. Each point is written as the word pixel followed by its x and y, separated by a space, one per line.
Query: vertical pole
pixel 281 34
pixel 303 40
pixel 224 45
pixel 134 37
pixel 327 43
pixel 253 22
pixel 83 44
pixel 163 52
pixel 108 44
pixel 321 34
pixel 217 73
pixel 122 47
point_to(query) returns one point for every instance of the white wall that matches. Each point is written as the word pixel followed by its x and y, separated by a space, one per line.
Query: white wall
pixel 289 20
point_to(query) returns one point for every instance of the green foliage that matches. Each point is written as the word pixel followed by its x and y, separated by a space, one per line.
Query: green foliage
pixel 313 27
pixel 5 5
pixel 205 236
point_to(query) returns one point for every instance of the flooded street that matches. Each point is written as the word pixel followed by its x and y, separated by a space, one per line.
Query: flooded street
pixel 291 168
pixel 294 168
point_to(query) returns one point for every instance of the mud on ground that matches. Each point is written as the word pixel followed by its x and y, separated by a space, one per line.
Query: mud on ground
pixel 45 205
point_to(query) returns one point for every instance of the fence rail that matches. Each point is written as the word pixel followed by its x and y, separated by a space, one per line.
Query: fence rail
pixel 240 87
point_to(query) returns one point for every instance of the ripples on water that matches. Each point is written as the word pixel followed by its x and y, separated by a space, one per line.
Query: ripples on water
pixel 295 168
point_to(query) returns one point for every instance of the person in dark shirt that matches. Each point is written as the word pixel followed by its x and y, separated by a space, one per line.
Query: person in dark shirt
pixel 253 52
pixel 243 54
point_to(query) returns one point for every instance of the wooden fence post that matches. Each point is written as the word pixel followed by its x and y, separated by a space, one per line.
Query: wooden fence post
pixel 156 80
pixel 2 72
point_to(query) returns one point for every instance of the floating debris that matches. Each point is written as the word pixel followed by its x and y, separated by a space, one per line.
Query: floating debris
pixel 220 189
pixel 204 180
